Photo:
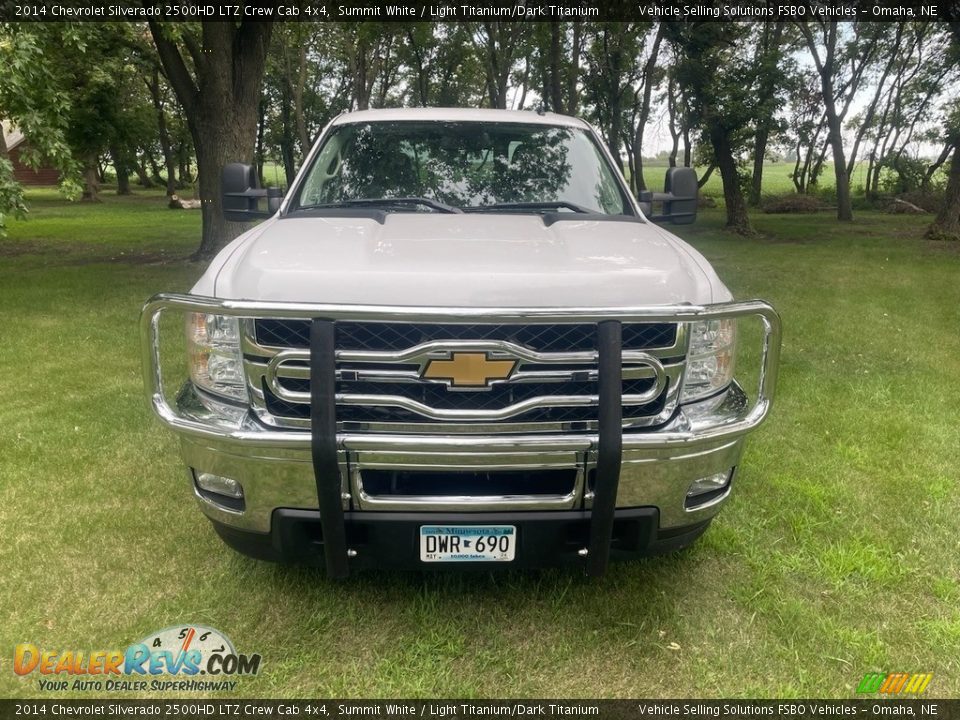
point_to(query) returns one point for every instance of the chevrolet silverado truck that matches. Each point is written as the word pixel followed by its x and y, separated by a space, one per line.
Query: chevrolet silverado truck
pixel 458 341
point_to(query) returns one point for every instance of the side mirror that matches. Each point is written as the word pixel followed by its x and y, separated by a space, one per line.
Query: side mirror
pixel 679 197
pixel 242 193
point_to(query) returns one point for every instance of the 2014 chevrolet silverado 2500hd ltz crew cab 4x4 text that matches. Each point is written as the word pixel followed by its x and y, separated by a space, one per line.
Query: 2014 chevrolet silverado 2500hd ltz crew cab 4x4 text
pixel 458 340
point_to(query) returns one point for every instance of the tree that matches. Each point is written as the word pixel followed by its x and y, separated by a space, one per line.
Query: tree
pixel 947 223
pixel 557 52
pixel 650 77
pixel 914 77
pixel 440 65
pixel 720 84
pixel 306 84
pixel 771 70
pixel 841 66
pixel 613 58
pixel 35 98
pixel 216 72
pixel 806 124
pixel 499 45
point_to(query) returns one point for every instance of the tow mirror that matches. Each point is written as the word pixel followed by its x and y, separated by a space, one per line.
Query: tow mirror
pixel 678 199
pixel 242 193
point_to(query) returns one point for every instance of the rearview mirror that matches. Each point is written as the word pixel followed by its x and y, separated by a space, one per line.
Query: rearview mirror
pixel 679 197
pixel 242 193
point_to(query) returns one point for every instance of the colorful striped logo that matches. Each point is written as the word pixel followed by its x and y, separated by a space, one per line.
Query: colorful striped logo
pixel 894 683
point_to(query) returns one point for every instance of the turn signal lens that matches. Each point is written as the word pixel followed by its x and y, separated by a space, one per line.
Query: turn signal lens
pixel 214 357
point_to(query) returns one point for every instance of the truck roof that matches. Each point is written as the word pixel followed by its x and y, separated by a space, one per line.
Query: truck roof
pixel 458 115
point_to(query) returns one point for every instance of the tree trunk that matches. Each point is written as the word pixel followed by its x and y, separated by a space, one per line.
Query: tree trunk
pixel 122 169
pixel 574 77
pixel 759 154
pixel 143 176
pixel 259 154
pixel 556 92
pixel 221 102
pixel 933 167
pixel 825 68
pixel 844 205
pixel 705 178
pixel 672 121
pixel 169 158
pixel 770 45
pixel 299 113
pixel 286 131
pixel 648 70
pixel 737 218
pixel 946 226
pixel 91 181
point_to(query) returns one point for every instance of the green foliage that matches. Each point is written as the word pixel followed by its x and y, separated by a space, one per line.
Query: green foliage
pixel 36 100
pixel 11 196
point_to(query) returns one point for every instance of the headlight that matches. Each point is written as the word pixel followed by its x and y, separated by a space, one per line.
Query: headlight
pixel 214 357
pixel 710 359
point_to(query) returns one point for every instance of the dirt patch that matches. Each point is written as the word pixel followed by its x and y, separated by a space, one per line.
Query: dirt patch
pixel 32 247
pixel 951 247
pixel 67 255
pixel 145 258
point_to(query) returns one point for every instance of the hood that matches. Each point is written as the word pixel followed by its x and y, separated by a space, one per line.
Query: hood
pixel 471 260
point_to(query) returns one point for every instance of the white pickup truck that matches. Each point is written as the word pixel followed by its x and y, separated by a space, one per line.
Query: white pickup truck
pixel 458 340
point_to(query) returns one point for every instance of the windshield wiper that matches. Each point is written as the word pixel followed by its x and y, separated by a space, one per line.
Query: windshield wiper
pixel 379 202
pixel 547 205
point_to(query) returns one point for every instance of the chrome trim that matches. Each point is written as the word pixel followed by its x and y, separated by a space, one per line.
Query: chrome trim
pixel 469 503
pixel 712 502
pixel 438 314
pixel 254 433
pixel 256 374
pixel 504 413
pixel 442 349
pixel 302 372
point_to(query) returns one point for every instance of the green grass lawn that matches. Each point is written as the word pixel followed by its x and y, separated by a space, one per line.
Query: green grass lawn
pixel 776 178
pixel 837 555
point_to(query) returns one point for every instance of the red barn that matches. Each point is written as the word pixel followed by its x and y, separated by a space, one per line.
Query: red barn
pixel 16 143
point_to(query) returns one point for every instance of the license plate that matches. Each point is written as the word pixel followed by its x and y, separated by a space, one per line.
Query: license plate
pixel 467 543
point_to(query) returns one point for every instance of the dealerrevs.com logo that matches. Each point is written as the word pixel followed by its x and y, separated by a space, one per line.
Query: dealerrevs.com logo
pixel 184 658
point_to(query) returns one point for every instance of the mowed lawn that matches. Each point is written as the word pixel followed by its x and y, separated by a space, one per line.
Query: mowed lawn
pixel 838 554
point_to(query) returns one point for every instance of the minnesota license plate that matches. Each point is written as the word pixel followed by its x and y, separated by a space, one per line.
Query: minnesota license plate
pixel 467 543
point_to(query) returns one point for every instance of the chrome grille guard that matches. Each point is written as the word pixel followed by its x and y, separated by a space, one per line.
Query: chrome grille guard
pixel 293 438
pixel 325 443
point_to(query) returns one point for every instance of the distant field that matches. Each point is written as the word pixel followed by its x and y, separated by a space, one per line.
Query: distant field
pixel 776 178
pixel 837 555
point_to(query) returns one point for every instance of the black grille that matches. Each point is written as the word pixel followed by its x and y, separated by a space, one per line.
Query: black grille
pixel 393 337
pixel 400 336
pixel 482 482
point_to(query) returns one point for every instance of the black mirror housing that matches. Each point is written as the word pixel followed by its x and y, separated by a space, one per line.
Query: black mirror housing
pixel 241 194
pixel 679 197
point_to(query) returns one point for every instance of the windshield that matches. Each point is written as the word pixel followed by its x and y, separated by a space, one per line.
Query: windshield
pixel 467 165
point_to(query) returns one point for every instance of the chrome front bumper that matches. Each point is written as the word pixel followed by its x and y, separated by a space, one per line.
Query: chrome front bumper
pixel 277 467
pixel 274 477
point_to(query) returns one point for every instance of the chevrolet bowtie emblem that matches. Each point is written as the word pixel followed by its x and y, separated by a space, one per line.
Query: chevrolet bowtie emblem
pixel 469 370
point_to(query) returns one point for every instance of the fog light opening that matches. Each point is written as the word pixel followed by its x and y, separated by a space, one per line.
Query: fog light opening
pixel 707 490
pixel 219 490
